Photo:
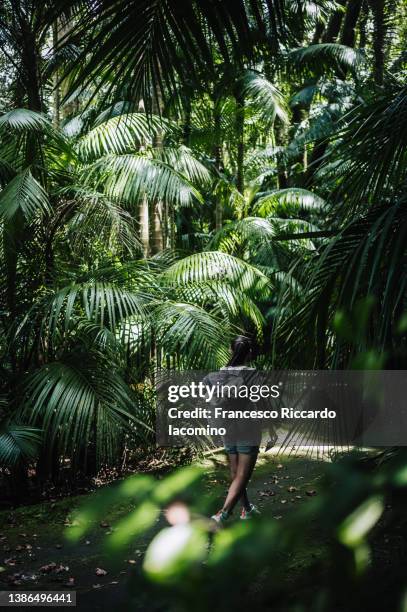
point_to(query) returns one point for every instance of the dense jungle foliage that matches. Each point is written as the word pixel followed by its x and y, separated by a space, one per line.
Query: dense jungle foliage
pixel 173 174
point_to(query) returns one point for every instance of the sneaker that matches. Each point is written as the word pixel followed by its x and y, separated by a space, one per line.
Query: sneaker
pixel 246 515
pixel 220 517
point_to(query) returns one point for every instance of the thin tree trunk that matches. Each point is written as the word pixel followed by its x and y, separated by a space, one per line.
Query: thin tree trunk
pixel 379 30
pixel 218 156
pixel 187 121
pixel 31 69
pixel 334 25
pixel 71 108
pixel 349 25
pixel 56 93
pixel 363 25
pixel 156 213
pixel 239 126
pixel 319 29
pixel 144 227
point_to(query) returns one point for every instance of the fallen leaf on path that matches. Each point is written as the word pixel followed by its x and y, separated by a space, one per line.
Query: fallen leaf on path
pixel 292 489
pixel 49 567
pixel 266 493
pixel 12 561
pixel 104 524
pixel 283 501
pixel 96 586
pixel 310 493
pixel 279 466
pixel 277 517
pixel 28 577
pixel 132 561
pixel 71 582
pixel 100 571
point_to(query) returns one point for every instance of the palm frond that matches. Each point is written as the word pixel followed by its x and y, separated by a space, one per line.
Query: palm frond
pixel 119 135
pixel 264 96
pixel 144 58
pixel 214 265
pixel 185 163
pixel 132 177
pixel 24 194
pixel 78 401
pixel 234 305
pixel 325 56
pixel 18 442
pixel 23 120
pixel 97 217
pixel 380 125
pixel 290 200
pixel 201 339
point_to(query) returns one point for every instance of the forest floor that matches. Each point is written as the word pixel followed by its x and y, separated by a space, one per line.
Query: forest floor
pixel 37 556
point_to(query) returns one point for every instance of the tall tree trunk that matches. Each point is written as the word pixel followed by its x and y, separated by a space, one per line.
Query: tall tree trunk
pixel 144 227
pixel 349 25
pixel 239 126
pixel 56 92
pixel 319 29
pixel 363 24
pixel 334 25
pixel 316 159
pixel 379 31
pixel 30 61
pixel 218 156
pixel 14 231
pixel 71 108
pixel 156 213
pixel 187 121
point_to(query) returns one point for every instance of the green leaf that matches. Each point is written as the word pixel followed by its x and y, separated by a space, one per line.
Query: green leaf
pixel 134 524
pixel 177 483
pixel 357 525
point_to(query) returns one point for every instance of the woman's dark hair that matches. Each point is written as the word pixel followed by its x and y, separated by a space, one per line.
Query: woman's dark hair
pixel 243 349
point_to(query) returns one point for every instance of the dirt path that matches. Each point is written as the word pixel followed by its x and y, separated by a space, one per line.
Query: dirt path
pixel 36 556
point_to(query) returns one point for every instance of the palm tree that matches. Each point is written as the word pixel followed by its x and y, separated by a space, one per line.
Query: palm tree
pixel 364 260
pixel 84 321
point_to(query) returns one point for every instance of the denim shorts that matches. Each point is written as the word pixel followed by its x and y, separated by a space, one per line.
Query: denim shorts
pixel 244 449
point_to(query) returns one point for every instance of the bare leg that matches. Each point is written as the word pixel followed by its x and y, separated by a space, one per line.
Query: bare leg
pixel 244 469
pixel 233 463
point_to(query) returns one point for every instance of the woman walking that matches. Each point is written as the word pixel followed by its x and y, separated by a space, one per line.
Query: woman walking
pixel 241 443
